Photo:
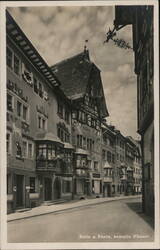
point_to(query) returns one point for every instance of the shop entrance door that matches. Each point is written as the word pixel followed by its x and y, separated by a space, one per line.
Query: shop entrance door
pixel 20 190
pixel 48 189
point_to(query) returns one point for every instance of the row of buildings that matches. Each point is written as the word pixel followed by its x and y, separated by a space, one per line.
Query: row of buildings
pixel 59 145
pixel 142 20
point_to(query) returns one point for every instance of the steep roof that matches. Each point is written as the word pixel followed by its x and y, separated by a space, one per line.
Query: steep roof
pixel 73 74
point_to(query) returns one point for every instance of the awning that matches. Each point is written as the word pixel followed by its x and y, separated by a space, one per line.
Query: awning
pixel 48 137
pixel 68 146
pixel 107 165
pixel 81 151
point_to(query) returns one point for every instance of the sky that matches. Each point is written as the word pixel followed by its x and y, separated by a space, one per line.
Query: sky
pixel 59 32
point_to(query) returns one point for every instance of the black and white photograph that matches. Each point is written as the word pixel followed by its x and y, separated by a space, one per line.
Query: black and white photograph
pixel 80 125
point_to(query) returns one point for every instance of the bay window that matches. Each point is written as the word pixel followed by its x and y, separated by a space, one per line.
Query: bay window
pixel 47 151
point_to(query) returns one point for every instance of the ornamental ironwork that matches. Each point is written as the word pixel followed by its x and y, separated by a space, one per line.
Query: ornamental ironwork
pixel 110 35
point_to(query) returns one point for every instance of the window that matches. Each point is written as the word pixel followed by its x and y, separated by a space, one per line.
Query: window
pixel 30 150
pixel 67 116
pixel 42 122
pixel 24 149
pixel 60 109
pixel 19 108
pixel 9 58
pixel 108 156
pixel 32 184
pixel 117 156
pixel 95 165
pixel 16 65
pixel 24 113
pixel 18 150
pixel 40 90
pixel 9 102
pixel 42 152
pixel 35 85
pixel 8 141
pixel 113 158
pixel 103 154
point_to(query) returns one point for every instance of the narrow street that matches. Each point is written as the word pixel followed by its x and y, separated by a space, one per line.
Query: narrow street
pixel 111 221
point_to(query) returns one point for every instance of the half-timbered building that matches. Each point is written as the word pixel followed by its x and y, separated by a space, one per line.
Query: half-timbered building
pixel 81 82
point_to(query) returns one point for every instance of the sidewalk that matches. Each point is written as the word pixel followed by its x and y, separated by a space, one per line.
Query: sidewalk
pixel 55 208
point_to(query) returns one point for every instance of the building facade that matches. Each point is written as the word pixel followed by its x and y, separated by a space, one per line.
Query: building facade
pixel 59 145
pixel 39 154
pixel 141 19
pixel 82 84
pixel 109 166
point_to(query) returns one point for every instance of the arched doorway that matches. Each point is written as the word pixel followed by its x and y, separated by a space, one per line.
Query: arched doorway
pixel 57 189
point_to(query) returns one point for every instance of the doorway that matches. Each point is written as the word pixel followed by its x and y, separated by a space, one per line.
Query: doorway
pixel 20 190
pixel 47 189
pixel 57 189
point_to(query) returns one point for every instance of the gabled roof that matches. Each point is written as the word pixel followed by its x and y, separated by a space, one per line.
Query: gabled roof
pixel 73 74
